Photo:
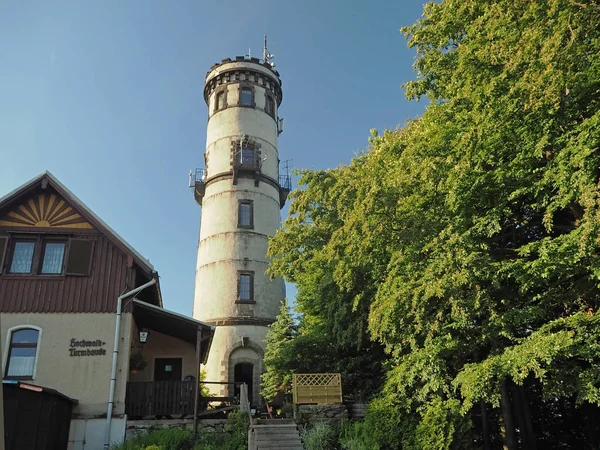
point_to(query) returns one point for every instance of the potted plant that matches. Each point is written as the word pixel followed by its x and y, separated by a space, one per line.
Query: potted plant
pixel 137 362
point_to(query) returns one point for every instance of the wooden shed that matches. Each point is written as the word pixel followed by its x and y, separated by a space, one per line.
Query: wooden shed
pixel 35 418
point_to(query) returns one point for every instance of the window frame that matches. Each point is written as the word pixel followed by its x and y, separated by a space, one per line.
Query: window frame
pixel 12 245
pixel 8 347
pixel 270 100
pixel 222 90
pixel 250 204
pixel 42 254
pixel 250 274
pixel 246 86
pixel 39 252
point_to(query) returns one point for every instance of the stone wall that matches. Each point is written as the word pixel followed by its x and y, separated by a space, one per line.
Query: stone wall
pixel 330 413
pixel 136 427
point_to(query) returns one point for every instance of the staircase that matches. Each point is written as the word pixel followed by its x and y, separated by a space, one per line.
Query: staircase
pixel 277 434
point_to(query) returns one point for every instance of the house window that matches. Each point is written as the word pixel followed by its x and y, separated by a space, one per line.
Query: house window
pixel 54 255
pixel 246 97
pixel 46 256
pixel 220 101
pixel 22 354
pixel 270 106
pixel 245 214
pixel 246 286
pixel 22 257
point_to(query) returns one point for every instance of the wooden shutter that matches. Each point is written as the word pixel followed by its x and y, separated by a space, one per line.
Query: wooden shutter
pixel 3 242
pixel 79 261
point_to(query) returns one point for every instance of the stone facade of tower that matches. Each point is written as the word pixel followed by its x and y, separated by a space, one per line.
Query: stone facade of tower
pixel 241 194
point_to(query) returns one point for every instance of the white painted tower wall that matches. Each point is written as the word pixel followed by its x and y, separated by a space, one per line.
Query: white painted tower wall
pixel 224 248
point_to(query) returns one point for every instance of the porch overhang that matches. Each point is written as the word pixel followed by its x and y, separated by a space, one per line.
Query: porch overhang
pixel 172 324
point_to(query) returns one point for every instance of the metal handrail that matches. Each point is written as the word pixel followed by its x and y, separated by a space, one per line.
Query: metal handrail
pixel 285 182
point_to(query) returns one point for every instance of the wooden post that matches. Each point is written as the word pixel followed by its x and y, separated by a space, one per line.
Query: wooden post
pixel 197 384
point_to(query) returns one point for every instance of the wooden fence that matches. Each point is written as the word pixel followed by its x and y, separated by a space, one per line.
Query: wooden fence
pixel 160 398
pixel 317 388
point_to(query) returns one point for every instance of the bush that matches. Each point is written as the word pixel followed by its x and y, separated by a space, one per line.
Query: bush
pixel 235 438
pixel 357 436
pixel 320 437
pixel 167 439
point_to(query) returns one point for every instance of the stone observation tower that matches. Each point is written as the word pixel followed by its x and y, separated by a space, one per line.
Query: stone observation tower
pixel 241 193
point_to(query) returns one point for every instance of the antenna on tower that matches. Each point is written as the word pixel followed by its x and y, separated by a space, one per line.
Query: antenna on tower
pixel 268 56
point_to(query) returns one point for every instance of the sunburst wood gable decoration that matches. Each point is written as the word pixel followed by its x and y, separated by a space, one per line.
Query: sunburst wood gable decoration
pixel 44 210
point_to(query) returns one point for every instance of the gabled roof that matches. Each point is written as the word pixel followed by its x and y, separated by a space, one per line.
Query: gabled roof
pixel 85 211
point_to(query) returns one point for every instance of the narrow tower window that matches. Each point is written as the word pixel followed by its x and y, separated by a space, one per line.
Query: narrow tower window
pixel 246 97
pixel 245 214
pixel 270 106
pixel 220 101
pixel 246 286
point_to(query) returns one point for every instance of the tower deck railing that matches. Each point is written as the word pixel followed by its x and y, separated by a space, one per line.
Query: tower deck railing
pixel 285 182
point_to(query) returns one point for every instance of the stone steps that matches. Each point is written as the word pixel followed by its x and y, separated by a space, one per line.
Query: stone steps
pixel 275 435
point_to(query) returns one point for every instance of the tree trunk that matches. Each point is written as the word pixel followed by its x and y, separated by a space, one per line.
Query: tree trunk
pixel 485 426
pixel 591 421
pixel 523 404
pixel 507 427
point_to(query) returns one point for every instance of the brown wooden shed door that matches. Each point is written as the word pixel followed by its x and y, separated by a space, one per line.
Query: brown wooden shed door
pixel 167 369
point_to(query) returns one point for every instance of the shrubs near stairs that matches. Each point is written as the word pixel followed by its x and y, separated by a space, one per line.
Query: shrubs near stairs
pixel 235 438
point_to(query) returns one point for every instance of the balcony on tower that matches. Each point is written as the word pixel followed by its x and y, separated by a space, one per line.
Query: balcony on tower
pixel 198 184
pixel 285 186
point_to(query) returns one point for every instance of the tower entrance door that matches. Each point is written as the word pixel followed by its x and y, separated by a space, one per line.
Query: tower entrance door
pixel 242 373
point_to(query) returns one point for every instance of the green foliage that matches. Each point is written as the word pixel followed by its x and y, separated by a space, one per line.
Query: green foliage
pixel 164 439
pixel 234 438
pixel 355 435
pixel 204 389
pixel 466 243
pixel 278 357
pixel 320 437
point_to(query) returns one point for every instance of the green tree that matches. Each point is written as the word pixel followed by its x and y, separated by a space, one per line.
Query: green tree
pixel 278 360
pixel 467 241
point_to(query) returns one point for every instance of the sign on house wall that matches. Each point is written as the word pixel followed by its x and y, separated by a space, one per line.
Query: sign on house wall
pixel 84 347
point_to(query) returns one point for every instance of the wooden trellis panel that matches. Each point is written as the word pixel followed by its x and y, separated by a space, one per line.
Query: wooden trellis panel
pixel 317 388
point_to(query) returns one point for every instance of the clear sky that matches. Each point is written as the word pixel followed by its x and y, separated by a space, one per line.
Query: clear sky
pixel 107 95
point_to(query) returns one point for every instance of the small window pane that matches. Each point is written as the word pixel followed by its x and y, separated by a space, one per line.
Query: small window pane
pixel 270 106
pixel 22 257
pixel 28 336
pixel 246 97
pixel 54 253
pixel 247 156
pixel 245 214
pixel 245 281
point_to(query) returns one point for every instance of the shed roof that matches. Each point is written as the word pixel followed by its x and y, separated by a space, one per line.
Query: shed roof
pixel 173 324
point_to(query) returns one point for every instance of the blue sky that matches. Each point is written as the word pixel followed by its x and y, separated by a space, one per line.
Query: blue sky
pixel 107 95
